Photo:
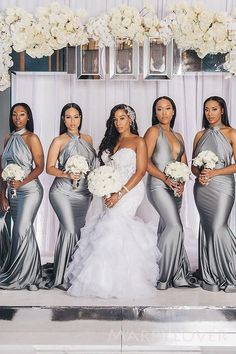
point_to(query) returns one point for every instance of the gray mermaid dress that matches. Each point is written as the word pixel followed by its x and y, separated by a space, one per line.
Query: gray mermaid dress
pixel 174 264
pixel 22 266
pixel 217 243
pixel 70 205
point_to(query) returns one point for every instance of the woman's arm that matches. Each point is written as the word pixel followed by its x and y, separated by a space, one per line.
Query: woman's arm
pixel 53 153
pixel 208 174
pixel 141 167
pixel 4 204
pixel 195 169
pixel 36 149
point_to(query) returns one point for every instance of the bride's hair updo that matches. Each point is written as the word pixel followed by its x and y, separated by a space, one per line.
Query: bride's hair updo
pixel 111 135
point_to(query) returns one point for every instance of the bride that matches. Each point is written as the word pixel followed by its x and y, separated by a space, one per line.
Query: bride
pixel 117 253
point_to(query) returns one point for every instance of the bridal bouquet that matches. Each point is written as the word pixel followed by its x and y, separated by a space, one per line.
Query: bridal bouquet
pixel 13 172
pixel 77 164
pixel 178 172
pixel 206 159
pixel 104 180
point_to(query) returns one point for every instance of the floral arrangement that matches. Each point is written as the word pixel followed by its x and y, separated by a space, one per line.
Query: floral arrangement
pixel 77 164
pixel 55 26
pixel 153 27
pixel 198 28
pixel 125 22
pixel 13 172
pixel 179 172
pixel 104 180
pixel 206 159
pixel 97 29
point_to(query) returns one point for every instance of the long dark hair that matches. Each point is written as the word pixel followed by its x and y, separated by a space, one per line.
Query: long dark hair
pixel 154 115
pixel 111 135
pixel 224 117
pixel 63 127
pixel 30 122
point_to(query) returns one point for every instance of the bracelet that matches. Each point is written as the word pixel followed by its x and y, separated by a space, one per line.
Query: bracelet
pixel 120 195
pixel 126 189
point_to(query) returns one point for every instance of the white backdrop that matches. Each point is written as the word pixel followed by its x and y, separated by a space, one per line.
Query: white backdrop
pixel 47 93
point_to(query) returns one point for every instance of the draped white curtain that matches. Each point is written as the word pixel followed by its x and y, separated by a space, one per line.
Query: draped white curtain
pixel 47 93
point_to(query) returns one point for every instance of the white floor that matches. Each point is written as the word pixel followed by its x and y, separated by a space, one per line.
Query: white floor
pixel 165 298
pixel 32 330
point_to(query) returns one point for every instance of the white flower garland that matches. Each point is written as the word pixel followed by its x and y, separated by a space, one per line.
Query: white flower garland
pixel 55 26
pixel 198 28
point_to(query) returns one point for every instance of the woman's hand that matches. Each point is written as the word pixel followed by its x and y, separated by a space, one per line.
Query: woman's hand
pixel 15 184
pixel 170 183
pixel 73 176
pixel 205 176
pixel 4 204
pixel 112 200
pixel 179 189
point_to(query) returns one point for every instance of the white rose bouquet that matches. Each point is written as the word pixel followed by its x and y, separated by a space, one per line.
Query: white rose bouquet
pixel 178 172
pixel 77 164
pixel 104 180
pixel 206 159
pixel 13 172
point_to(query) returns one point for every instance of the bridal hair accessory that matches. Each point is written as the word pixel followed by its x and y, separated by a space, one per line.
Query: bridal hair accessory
pixel 131 113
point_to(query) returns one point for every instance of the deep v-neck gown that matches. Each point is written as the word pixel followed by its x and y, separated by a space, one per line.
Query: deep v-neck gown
pixel 174 264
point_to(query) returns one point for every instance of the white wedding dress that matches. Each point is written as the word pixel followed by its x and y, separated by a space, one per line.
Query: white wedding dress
pixel 117 253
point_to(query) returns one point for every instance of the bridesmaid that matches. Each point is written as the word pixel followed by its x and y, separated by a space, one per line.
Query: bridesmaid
pixel 22 266
pixel 70 205
pixel 214 193
pixel 165 145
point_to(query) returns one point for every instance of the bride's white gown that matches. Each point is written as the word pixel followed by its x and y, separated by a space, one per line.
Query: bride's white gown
pixel 117 254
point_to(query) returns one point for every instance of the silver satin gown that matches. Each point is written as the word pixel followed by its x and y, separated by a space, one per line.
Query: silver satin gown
pixel 70 205
pixel 217 243
pixel 5 225
pixel 22 266
pixel 174 264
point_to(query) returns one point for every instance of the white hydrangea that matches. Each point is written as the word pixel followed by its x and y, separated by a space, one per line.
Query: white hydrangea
pixel 125 22
pixel 230 62
pixel 177 171
pixel 97 29
pixel 13 172
pixel 155 28
pixel 206 159
pixel 104 180
pixel 55 27
pixel 5 51
pixel 77 164
pixel 20 23
pixel 4 81
pixel 198 28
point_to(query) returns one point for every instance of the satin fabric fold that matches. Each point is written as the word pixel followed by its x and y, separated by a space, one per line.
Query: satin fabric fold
pixel 22 266
pixel 217 243
pixel 174 263
pixel 70 205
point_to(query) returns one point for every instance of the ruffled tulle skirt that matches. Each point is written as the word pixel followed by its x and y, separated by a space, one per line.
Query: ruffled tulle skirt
pixel 116 257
